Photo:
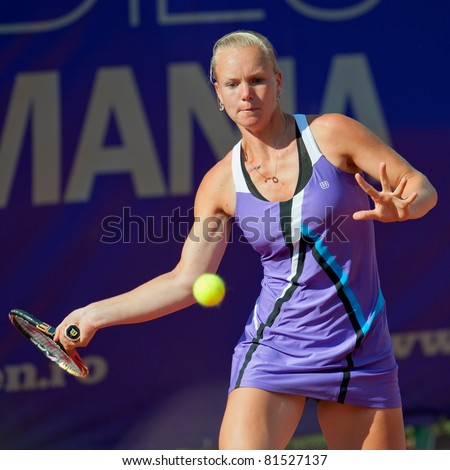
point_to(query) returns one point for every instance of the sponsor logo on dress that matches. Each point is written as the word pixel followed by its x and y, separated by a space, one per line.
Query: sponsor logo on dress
pixel 324 184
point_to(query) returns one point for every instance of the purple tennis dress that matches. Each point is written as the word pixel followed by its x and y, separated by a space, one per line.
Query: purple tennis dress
pixel 319 326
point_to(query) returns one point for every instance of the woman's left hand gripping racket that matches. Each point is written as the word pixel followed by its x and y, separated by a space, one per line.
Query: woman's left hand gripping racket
pixel 41 335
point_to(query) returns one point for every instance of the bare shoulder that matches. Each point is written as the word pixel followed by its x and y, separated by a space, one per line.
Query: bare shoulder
pixel 335 135
pixel 333 124
pixel 352 147
pixel 216 195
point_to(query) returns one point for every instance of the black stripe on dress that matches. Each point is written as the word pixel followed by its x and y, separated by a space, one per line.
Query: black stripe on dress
pixel 339 288
pixel 286 227
pixel 348 308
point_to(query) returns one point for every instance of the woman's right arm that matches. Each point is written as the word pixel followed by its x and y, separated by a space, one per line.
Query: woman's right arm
pixel 172 291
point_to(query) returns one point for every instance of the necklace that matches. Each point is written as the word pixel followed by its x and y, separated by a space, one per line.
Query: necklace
pixel 273 178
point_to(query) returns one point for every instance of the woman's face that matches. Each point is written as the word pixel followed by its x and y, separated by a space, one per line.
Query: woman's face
pixel 247 85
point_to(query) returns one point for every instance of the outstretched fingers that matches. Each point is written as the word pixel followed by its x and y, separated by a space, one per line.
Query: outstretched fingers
pixel 384 180
pixel 398 192
pixel 390 205
pixel 366 187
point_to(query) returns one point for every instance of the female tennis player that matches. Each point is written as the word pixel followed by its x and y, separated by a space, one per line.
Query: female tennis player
pixel 318 329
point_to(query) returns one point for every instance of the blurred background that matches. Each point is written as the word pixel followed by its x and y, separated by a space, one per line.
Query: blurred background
pixel 107 125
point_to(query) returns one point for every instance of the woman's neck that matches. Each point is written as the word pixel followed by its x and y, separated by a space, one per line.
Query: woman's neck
pixel 272 142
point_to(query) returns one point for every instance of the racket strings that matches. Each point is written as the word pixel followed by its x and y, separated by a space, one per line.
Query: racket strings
pixel 50 348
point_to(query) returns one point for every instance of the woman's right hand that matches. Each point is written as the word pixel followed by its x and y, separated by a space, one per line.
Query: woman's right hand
pixel 80 318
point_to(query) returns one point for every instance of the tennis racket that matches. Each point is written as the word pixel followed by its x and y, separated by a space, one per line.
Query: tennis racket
pixel 41 335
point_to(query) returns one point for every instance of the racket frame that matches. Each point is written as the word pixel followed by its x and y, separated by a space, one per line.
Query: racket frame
pixel 79 367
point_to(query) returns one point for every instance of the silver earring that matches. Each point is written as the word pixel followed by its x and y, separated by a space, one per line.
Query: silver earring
pixel 221 106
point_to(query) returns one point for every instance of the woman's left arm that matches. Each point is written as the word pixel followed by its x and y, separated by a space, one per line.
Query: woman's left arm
pixel 405 193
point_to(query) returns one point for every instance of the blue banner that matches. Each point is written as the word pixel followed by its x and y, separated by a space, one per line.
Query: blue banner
pixel 108 123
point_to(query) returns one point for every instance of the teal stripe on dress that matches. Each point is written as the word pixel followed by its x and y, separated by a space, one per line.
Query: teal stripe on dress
pixel 376 311
pixel 344 281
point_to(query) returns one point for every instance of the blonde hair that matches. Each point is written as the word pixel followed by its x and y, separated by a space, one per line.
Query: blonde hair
pixel 242 38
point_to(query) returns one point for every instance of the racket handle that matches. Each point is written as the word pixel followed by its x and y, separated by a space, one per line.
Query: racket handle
pixel 73 332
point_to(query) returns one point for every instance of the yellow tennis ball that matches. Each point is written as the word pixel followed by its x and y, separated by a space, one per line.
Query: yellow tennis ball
pixel 209 290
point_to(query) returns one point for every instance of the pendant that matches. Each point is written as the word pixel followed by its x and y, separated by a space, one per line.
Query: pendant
pixel 273 178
